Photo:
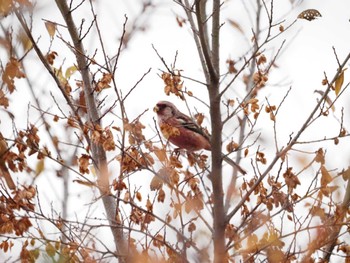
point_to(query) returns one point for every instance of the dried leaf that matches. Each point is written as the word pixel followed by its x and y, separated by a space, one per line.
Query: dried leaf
pixel 160 153
pixel 104 82
pixel 173 84
pixel 328 190
pixel 138 196
pixel 4 101
pixel 149 205
pixel 191 227
pixel 199 118
pixel 230 102
pixel 24 40
pixel 252 241
pixel 180 21
pixel 156 183
pixel 12 71
pixel 339 82
pixel 50 250
pixel 50 57
pixel 86 183
pixel 232 146
pixel 40 166
pixel 70 71
pixel 262 59
pixel 326 177
pixel 158 241
pixel 127 196
pixel 346 174
pixel 84 162
pixel 169 131
pixel 292 181
pixel 235 25
pixel 231 68
pixel 5 7
pixel 246 151
pixel 319 158
pixel 161 196
pixel 51 28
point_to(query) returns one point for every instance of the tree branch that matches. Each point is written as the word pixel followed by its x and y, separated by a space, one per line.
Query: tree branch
pixel 291 143
pixel 98 153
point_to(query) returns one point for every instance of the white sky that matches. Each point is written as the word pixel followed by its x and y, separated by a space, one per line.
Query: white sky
pixel 309 54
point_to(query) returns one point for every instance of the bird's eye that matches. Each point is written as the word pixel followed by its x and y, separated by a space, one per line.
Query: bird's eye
pixel 161 106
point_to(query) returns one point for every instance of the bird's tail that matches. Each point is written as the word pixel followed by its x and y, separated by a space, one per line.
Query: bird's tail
pixel 233 164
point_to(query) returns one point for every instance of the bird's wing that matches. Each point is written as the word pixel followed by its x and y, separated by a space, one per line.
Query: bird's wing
pixel 189 124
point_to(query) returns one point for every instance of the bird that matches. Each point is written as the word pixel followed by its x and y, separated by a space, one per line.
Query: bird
pixel 182 131
pixel 4 172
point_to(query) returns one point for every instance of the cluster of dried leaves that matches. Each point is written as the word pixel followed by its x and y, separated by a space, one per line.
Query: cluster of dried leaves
pixel 174 214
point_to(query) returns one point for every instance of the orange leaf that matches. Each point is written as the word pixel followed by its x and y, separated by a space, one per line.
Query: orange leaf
pixel 161 154
pixel 161 196
pixel 138 196
pixel 156 183
pixel 12 71
pixel 4 101
pixel 319 158
pixel 246 151
pixel 326 177
pixel 149 205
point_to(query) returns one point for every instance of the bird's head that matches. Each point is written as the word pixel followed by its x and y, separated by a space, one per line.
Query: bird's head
pixel 165 109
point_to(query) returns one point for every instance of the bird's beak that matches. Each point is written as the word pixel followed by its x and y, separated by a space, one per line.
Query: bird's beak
pixel 156 109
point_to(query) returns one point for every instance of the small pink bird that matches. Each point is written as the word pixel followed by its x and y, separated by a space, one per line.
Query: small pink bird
pixel 183 132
